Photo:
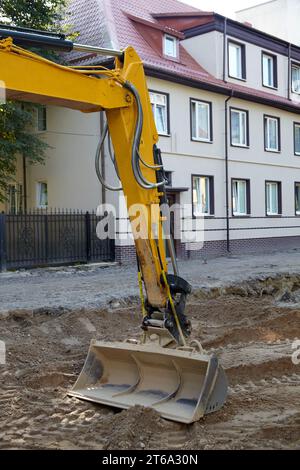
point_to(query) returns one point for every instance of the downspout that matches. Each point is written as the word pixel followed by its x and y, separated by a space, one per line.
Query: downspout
pixel 224 49
pixel 289 71
pixel 24 184
pixel 227 175
pixel 103 190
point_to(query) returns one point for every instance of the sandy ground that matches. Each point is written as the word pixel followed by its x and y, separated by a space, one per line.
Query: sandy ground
pixel 251 333
pixel 94 287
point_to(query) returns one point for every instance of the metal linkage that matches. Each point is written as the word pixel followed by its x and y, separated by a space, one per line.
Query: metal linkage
pixel 48 40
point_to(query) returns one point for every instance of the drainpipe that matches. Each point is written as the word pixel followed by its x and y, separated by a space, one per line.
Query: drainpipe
pixel 227 175
pixel 289 71
pixel 224 49
pixel 103 190
pixel 24 184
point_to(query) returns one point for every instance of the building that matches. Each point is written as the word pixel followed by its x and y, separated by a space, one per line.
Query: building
pixel 226 103
pixel 277 17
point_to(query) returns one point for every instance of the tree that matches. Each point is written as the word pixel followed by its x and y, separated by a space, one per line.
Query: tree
pixel 17 119
pixel 37 14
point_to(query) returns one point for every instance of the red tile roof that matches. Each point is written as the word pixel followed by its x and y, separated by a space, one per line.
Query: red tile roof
pixel 109 23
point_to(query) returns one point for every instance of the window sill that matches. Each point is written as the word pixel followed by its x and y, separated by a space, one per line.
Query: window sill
pixel 295 92
pixel 272 151
pixel 237 78
pixel 164 135
pixel 193 139
pixel 270 87
pixel 297 154
pixel 240 146
pixel 241 216
pixel 172 58
pixel 204 216
pixel 273 216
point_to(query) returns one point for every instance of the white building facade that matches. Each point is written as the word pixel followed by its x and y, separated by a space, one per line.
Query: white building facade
pixel 277 17
pixel 229 134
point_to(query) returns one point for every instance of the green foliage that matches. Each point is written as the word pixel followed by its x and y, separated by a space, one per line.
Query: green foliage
pixel 38 14
pixel 17 136
pixel 16 120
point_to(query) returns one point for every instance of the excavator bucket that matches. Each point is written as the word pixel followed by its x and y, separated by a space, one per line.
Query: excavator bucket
pixel 180 385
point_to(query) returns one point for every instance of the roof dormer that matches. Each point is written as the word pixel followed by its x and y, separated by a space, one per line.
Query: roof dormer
pixel 170 46
pixel 162 38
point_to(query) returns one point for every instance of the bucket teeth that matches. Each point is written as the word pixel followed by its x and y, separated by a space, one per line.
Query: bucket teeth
pixel 179 385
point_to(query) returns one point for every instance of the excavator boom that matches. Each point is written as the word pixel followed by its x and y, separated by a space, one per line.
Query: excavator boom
pixel 181 384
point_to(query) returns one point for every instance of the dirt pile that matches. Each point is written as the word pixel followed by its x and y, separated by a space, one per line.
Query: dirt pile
pixel 252 335
pixel 133 428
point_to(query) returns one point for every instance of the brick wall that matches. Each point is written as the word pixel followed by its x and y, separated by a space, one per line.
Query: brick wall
pixel 127 255
pixel 250 245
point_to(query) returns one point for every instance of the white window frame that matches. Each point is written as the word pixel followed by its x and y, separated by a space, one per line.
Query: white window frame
pixel 195 104
pixel 295 89
pixel 271 76
pixel 297 185
pixel 174 53
pixel 155 104
pixel 41 118
pixel 296 126
pixel 15 190
pixel 267 120
pixel 245 113
pixel 238 74
pixel 39 193
pixel 203 179
pixel 239 183
pixel 272 184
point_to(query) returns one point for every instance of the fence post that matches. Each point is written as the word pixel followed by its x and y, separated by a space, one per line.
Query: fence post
pixel 88 240
pixel 2 243
pixel 46 238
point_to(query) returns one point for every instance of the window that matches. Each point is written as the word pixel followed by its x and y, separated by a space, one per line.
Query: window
pixel 240 197
pixel 42 195
pixel 272 134
pixel 269 70
pixel 160 109
pixel 296 78
pixel 203 195
pixel 168 175
pixel 15 198
pixel 42 118
pixel 297 198
pixel 170 46
pixel 273 198
pixel 236 60
pixel 239 127
pixel 201 121
pixel 296 138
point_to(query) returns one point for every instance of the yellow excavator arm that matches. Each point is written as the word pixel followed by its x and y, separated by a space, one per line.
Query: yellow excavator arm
pixel 122 93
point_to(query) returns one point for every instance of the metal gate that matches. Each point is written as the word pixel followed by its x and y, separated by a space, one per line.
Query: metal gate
pixel 53 238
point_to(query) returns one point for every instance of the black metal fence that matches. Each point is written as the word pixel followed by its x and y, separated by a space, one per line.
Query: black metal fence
pixel 52 238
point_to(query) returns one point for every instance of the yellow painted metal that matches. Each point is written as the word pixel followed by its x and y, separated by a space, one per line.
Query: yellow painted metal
pixel 29 77
pixel 140 280
pixel 182 385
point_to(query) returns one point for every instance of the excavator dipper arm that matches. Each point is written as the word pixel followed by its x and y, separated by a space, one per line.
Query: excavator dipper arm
pixel 180 384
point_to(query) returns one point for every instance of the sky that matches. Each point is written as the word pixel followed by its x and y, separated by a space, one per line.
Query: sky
pixel 224 7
